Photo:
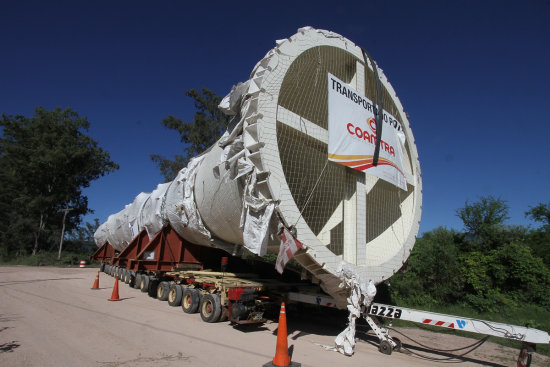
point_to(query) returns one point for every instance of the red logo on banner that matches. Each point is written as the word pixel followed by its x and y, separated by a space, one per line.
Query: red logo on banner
pixel 371 121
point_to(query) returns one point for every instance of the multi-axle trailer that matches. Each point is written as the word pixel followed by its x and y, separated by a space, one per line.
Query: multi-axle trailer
pixel 196 278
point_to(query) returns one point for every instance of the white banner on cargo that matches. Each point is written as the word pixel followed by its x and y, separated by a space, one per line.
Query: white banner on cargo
pixel 352 134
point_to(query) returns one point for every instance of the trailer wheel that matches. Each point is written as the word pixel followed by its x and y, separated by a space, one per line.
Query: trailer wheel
pixel 210 308
pixel 102 267
pixel 162 291
pixel 131 279
pixel 385 347
pixel 190 300
pixel 153 286
pixel 524 358
pixel 144 284
pixel 175 294
pixel 124 276
pixel 137 281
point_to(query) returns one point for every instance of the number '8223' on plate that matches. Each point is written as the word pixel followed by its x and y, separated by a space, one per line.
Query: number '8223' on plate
pixel 383 311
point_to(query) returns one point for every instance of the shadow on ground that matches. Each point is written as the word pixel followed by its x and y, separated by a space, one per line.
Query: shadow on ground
pixel 9 347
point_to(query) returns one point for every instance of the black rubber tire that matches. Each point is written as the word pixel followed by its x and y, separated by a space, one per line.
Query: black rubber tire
pixel 123 276
pixel 190 300
pixel 131 279
pixel 162 291
pixel 137 280
pixel 385 347
pixel 175 294
pixel 210 308
pixel 153 285
pixel 106 269
pixel 524 358
pixel 102 267
pixel 144 284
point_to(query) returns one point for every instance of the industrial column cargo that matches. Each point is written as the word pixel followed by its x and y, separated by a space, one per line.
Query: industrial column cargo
pixel 272 169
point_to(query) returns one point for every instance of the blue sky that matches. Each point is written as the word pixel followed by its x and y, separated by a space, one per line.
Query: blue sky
pixel 474 77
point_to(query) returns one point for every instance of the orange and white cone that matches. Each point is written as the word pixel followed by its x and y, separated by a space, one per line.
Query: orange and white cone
pixel 282 359
pixel 96 282
pixel 114 296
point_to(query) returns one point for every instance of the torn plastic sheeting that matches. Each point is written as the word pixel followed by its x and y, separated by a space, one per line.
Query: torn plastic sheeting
pixel 231 103
pixel 151 214
pixel 180 208
pixel 134 210
pixel 255 231
pixel 121 232
pixel 173 201
pixel 100 235
pixel 248 106
pixel 257 211
pixel 361 294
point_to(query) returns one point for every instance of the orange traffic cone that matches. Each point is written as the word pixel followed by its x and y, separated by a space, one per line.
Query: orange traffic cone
pixel 96 282
pixel 114 296
pixel 282 359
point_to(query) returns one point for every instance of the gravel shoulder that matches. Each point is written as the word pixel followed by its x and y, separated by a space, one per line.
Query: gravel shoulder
pixel 51 317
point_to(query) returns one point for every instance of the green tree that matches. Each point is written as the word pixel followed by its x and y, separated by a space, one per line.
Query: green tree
pixel 45 162
pixel 505 276
pixel 540 214
pixel 433 268
pixel 484 222
pixel 539 238
pixel 81 239
pixel 208 125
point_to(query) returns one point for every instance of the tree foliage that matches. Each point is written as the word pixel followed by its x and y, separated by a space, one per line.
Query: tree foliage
pixel 540 214
pixel 489 267
pixel 207 126
pixel 539 238
pixel 45 162
pixel 483 220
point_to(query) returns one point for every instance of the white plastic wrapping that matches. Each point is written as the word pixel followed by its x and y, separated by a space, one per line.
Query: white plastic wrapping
pixel 180 209
pixel 152 215
pixel 361 295
pixel 237 193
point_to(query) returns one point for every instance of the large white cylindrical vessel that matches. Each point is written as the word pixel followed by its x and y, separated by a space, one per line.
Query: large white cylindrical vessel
pixel 271 169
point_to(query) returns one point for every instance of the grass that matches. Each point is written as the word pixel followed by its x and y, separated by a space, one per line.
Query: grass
pixel 527 315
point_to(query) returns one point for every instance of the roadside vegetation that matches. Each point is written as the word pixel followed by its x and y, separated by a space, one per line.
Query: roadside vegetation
pixel 490 270
pixel 46 160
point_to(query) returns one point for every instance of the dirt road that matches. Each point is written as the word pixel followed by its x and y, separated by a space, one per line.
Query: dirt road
pixel 51 317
